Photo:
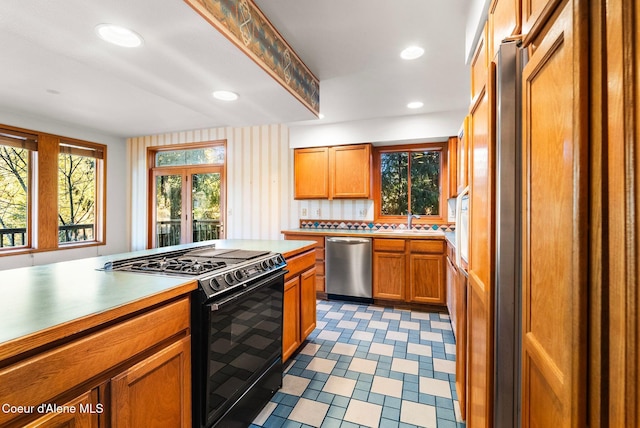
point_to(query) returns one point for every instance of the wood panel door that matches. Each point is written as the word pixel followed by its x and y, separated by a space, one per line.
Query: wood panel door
pixel 307 303
pixel 389 275
pixel 555 244
pixel 156 392
pixel 311 173
pixel 86 414
pixel 291 317
pixel 481 264
pixel 426 279
pixel 350 171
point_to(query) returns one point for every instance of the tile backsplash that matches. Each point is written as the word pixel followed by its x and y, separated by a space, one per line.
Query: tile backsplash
pixel 367 225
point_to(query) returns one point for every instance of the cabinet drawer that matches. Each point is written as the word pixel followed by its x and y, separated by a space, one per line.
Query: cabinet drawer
pixel 320 254
pixel 319 268
pixel 44 376
pixel 299 263
pixel 393 245
pixel 427 246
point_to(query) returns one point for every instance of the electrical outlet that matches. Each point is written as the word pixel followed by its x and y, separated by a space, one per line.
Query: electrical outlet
pixel 305 212
pixel 363 213
pixel 318 212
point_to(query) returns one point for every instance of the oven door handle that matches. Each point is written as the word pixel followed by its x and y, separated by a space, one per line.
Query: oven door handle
pixel 248 289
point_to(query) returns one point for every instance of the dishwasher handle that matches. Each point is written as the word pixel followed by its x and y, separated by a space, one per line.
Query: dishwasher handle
pixel 351 241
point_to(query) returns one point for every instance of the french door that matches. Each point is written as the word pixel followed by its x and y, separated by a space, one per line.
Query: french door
pixel 186 205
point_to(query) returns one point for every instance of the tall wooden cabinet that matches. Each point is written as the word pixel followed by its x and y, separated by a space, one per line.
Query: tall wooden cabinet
pixel 554 269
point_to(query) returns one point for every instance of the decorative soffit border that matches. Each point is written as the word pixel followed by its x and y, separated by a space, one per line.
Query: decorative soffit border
pixel 244 24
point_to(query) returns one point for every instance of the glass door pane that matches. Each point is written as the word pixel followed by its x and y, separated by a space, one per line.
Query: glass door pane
pixel 168 225
pixel 205 206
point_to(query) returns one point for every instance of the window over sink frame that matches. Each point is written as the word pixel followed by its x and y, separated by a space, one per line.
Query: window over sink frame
pixel 411 152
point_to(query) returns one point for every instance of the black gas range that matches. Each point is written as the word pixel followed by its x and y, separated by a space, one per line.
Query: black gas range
pixel 236 327
pixel 219 271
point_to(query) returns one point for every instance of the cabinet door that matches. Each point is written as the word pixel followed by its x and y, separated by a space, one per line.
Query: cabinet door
pixel 156 392
pixel 504 16
pixel 291 317
pixel 452 166
pixel 350 171
pixel 311 173
pixel 535 12
pixel 462 158
pixel 451 279
pixel 426 279
pixel 479 64
pixel 86 414
pixel 461 341
pixel 480 308
pixel 307 303
pixel 555 231
pixel 389 275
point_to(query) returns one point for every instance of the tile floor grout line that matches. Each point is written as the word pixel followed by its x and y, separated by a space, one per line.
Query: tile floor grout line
pixel 387 376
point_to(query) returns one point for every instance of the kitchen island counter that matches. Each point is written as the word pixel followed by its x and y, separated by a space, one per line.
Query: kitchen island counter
pixel 41 305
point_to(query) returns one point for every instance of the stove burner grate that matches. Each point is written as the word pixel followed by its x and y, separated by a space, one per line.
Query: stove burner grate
pixel 184 265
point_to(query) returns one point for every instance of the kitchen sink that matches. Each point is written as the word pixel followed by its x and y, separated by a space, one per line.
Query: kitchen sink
pixel 412 232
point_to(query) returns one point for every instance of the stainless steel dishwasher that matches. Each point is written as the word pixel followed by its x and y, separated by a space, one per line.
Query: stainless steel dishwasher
pixel 348 263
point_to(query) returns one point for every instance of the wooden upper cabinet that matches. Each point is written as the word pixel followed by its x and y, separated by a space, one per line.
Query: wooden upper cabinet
pixel 479 64
pixel 555 239
pixel 452 149
pixel 535 13
pixel 462 157
pixel 311 172
pixel 340 172
pixel 350 171
pixel 504 21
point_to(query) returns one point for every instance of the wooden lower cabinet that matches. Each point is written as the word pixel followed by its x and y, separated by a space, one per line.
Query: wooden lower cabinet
pixel 299 304
pixel 155 392
pixel 307 302
pixel 136 372
pixel 320 279
pixel 85 415
pixel 291 318
pixel 409 270
pixel 389 275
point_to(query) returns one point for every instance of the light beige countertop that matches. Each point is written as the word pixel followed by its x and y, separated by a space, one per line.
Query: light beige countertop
pixel 42 304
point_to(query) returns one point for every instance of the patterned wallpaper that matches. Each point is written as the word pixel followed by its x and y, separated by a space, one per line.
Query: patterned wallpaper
pixel 244 24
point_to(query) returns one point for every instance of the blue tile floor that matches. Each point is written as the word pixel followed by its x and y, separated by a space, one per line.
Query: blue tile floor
pixel 368 366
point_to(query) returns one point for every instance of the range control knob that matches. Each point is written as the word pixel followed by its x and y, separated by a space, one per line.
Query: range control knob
pixel 228 278
pixel 239 275
pixel 215 285
pixel 264 265
pixel 271 263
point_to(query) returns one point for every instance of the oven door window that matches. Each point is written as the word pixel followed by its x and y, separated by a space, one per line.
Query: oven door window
pixel 245 338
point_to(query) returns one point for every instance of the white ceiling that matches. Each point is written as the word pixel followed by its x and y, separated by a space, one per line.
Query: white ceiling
pixel 54 66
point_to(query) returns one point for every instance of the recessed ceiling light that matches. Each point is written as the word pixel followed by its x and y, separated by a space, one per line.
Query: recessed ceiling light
pixel 412 52
pixel 225 95
pixel 320 116
pixel 415 104
pixel 119 35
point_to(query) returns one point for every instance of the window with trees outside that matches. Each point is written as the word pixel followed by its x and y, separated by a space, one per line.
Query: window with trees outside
pixel 78 191
pixel 68 206
pixel 409 178
pixel 16 150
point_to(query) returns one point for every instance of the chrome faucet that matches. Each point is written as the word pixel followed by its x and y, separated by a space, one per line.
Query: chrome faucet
pixel 410 217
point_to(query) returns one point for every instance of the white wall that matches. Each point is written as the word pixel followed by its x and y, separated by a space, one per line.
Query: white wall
pixel 259 180
pixel 416 128
pixel 116 240
pixel 475 22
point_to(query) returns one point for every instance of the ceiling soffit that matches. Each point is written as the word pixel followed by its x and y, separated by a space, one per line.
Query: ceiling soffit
pixel 244 24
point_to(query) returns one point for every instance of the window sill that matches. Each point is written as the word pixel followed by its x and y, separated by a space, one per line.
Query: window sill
pixel 6 252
